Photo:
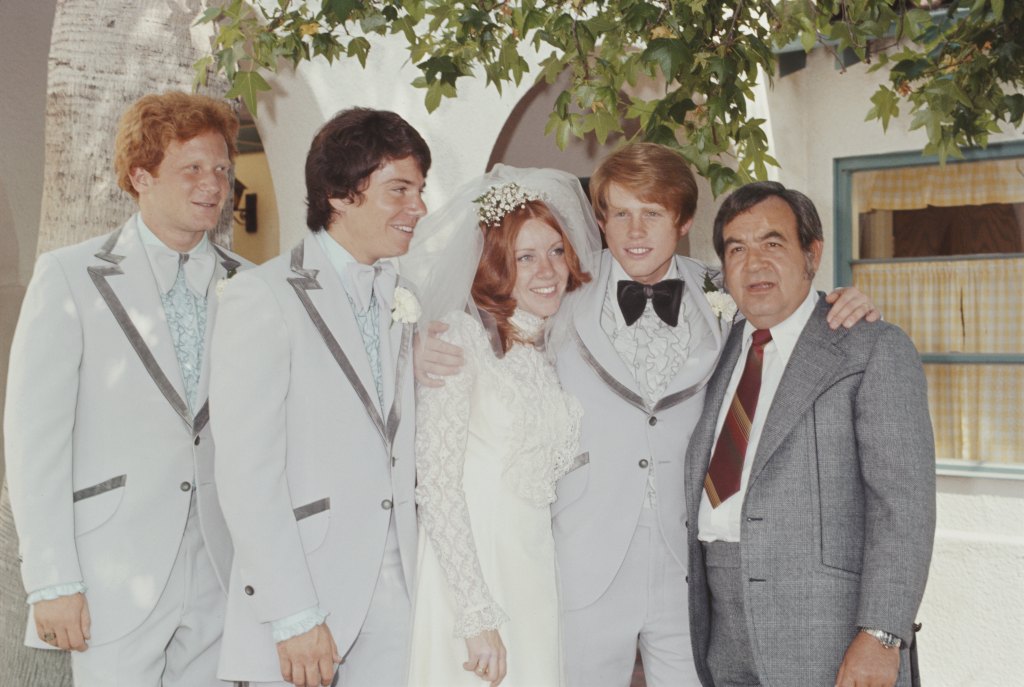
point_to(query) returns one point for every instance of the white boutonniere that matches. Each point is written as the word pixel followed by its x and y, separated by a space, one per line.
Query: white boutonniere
pixel 722 304
pixel 406 308
pixel 223 283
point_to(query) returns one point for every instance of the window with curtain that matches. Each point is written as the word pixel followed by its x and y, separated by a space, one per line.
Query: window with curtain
pixel 940 250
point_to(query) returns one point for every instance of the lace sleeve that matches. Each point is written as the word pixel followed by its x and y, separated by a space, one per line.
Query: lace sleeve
pixel 442 429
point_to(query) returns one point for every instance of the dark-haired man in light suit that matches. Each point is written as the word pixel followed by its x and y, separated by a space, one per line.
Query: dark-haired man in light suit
pixel 312 382
pixel 810 484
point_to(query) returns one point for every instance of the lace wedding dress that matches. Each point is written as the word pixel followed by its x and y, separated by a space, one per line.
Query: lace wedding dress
pixel 490 445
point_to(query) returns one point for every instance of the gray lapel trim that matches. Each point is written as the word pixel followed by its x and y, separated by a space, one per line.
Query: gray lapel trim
pixel 202 417
pixel 395 416
pixel 97 489
pixel 308 281
pixel 629 395
pixel 230 265
pixel 99 278
pixel 226 261
pixel 312 508
pixel 678 397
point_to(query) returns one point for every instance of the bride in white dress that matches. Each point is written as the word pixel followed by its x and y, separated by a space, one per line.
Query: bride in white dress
pixel 491 443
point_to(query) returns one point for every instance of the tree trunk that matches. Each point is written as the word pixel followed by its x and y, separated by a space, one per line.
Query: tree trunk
pixel 104 54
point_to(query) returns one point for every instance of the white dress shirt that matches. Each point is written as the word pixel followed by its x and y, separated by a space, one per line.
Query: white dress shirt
pixel 723 523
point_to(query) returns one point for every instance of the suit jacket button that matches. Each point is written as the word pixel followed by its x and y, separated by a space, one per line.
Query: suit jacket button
pixel 643 463
pixel 653 420
pixel 386 504
pixel 185 486
pixel 196 442
pixel 249 591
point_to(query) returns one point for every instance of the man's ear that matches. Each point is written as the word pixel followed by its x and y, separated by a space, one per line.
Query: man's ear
pixel 684 228
pixel 813 257
pixel 339 205
pixel 141 179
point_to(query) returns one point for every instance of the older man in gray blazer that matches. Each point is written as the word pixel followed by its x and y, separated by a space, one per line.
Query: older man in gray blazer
pixel 810 484
pixel 313 385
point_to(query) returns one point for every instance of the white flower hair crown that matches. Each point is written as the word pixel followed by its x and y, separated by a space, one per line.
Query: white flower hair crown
pixel 498 201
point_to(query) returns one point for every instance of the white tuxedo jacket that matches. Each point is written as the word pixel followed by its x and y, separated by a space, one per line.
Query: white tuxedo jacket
pixel 310 471
pixel 599 501
pixel 101 447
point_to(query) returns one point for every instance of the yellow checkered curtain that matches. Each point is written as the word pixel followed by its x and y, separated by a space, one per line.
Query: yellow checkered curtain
pixel 922 298
pixel 965 306
pixel 962 183
pixel 975 411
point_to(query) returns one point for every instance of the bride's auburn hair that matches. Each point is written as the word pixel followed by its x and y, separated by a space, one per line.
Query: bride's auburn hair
pixel 496 274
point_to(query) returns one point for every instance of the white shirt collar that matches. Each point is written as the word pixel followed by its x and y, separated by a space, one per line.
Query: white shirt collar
pixel 786 333
pixel 148 238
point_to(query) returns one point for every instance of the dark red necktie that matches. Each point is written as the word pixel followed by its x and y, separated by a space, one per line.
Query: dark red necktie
pixel 726 466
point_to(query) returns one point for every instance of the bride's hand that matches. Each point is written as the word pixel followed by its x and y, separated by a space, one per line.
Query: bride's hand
pixel 486 657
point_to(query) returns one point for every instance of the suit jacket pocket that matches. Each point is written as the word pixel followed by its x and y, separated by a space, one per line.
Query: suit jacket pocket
pixel 97 503
pixel 313 519
pixel 572 484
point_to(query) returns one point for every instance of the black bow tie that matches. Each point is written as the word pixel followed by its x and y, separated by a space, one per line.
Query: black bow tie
pixel 665 296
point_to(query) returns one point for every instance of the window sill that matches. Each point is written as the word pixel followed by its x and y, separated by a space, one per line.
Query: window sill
pixel 969 468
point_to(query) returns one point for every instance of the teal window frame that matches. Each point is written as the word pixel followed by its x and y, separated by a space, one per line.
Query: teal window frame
pixel 843 170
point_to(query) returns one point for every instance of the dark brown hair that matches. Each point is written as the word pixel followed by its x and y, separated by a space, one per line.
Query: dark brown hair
pixel 349 148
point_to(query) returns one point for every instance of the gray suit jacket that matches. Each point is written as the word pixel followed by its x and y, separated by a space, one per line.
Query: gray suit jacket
pixel 102 449
pixel 310 471
pixel 839 514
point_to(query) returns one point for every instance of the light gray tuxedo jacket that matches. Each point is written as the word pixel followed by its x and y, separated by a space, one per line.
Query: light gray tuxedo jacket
pixel 839 514
pixel 101 447
pixel 310 471
pixel 599 502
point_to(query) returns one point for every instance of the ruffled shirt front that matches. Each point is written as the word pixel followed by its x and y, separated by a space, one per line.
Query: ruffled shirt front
pixel 539 427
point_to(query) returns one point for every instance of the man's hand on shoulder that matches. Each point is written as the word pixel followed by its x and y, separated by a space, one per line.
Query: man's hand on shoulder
pixel 434 358
pixel 63 622
pixel 849 306
pixel 868 664
pixel 309 659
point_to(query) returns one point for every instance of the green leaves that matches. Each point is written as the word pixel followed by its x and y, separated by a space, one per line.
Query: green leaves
pixel 958 73
pixel 246 85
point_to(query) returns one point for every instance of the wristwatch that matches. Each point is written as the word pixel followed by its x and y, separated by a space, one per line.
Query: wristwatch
pixel 886 639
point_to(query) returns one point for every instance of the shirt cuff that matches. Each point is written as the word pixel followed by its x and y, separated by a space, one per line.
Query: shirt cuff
pixel 56 591
pixel 297 623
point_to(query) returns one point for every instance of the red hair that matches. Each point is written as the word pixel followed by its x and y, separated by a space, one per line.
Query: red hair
pixel 154 121
pixel 496 274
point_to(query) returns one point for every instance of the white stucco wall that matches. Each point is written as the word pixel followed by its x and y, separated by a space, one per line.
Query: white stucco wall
pixel 460 133
pixel 973 610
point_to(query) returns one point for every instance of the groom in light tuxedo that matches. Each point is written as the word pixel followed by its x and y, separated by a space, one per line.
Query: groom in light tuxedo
pixel 645 341
pixel 313 389
pixel 124 550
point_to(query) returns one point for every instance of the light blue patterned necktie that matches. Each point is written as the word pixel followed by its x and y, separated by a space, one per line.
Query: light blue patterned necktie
pixel 372 285
pixel 186 318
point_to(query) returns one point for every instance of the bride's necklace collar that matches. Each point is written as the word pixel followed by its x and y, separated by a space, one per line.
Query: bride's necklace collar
pixel 527 325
